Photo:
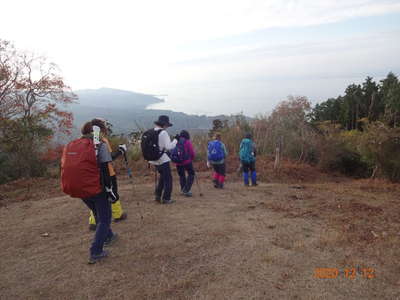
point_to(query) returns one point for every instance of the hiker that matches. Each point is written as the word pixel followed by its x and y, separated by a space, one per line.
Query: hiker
pixel 117 213
pixel 183 155
pixel 155 144
pixel 216 154
pixel 247 156
pixel 85 174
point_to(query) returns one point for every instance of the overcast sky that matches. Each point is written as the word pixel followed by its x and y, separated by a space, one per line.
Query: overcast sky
pixel 219 56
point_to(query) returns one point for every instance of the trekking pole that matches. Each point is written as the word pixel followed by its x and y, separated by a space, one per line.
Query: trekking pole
pixel 127 166
pixel 155 180
pixel 129 170
pixel 198 185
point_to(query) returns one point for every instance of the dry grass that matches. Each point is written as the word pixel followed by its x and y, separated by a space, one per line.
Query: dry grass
pixel 256 243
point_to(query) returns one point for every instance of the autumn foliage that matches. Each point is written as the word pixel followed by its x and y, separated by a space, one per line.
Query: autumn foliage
pixel 291 130
pixel 33 97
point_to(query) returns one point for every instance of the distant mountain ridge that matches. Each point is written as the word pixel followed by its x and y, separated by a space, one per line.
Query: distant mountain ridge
pixel 127 111
pixel 105 97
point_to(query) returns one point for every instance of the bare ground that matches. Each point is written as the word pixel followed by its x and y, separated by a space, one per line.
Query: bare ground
pixel 256 243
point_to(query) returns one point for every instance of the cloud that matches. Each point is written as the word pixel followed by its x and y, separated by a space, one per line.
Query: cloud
pixel 173 21
pixel 137 44
pixel 253 81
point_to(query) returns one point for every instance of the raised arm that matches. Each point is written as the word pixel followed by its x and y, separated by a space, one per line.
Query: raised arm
pixel 165 141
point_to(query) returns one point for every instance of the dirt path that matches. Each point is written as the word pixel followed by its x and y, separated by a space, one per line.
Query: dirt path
pixel 256 243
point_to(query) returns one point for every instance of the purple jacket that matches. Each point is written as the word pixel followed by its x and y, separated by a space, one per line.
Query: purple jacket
pixel 189 149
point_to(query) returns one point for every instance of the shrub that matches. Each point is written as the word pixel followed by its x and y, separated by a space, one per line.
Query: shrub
pixel 134 153
pixel 379 146
pixel 200 142
pixel 338 151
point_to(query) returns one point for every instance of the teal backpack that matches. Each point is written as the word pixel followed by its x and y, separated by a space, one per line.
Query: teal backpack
pixel 246 152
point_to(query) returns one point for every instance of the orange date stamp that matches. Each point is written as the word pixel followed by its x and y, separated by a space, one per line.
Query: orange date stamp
pixel 350 273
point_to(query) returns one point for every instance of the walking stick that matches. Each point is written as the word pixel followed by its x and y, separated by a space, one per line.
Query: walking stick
pixel 127 166
pixel 155 179
pixel 156 183
pixel 198 185
pixel 129 171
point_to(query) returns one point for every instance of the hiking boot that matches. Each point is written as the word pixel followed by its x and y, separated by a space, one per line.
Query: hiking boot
pixel 170 201
pixel 246 185
pixel 111 241
pixel 158 199
pixel 254 184
pixel 95 258
pixel 188 194
pixel 121 218
pixel 92 227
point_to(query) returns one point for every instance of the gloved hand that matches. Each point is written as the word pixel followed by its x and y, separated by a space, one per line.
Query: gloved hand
pixel 122 148
pixel 208 164
pixel 111 195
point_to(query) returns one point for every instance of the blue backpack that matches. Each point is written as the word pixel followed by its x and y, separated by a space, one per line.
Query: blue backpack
pixel 179 154
pixel 215 151
pixel 246 152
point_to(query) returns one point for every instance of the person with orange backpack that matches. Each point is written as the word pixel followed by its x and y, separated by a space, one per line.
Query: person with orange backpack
pixel 85 174
pixel 117 212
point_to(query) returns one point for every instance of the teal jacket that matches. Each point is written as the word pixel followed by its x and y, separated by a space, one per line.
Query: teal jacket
pixel 247 152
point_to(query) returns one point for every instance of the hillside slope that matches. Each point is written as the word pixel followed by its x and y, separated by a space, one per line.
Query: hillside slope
pixel 259 243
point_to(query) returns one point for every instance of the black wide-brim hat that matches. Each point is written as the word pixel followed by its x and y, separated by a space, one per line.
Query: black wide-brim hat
pixel 163 121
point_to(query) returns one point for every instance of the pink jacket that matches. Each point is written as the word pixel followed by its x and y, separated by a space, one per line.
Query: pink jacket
pixel 189 149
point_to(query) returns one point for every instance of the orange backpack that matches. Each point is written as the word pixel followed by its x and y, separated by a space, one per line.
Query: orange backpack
pixel 80 172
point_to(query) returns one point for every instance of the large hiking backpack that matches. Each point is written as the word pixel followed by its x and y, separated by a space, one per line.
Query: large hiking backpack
pixel 80 172
pixel 215 151
pixel 179 154
pixel 149 144
pixel 246 152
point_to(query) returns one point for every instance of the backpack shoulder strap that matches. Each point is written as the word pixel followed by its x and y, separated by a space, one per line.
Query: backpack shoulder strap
pixel 158 132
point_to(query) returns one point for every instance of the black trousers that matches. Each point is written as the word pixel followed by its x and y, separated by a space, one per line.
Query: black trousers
pixel 249 166
pixel 220 169
pixel 164 187
pixel 186 182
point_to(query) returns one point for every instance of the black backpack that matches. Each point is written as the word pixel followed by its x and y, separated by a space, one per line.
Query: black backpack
pixel 149 144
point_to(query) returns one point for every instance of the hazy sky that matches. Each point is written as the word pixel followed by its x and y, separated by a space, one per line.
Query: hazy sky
pixel 220 56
